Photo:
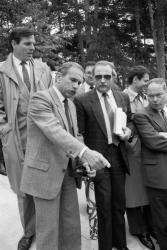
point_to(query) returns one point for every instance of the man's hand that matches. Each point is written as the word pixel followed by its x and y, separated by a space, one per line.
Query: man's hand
pixel 164 134
pixel 126 134
pixel 95 160
pixel 90 173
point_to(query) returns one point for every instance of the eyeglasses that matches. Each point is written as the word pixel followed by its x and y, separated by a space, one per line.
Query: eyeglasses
pixel 106 77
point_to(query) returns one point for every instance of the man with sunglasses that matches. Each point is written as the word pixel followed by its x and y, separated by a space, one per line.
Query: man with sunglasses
pixel 88 84
pixel 96 125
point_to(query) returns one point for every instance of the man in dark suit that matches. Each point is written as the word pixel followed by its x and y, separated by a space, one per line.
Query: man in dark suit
pixel 151 123
pixel 95 124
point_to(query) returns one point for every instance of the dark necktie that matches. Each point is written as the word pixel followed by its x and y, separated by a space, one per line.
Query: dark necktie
pixel 68 116
pixel 163 115
pixel 25 75
pixel 91 87
pixel 110 114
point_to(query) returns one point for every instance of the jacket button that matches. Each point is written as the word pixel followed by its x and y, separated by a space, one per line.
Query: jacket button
pixel 63 170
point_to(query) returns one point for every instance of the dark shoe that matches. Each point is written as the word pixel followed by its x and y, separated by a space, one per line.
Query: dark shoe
pixel 146 240
pixel 25 243
pixel 122 248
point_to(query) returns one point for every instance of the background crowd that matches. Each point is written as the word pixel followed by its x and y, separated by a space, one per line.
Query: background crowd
pixel 56 130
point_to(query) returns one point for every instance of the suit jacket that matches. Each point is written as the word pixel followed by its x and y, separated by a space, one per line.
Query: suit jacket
pixel 154 147
pixel 91 121
pixel 9 98
pixel 49 145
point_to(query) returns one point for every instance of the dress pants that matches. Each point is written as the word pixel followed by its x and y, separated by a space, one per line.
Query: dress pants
pixel 110 201
pixel 139 220
pixel 58 220
pixel 158 203
pixel 27 214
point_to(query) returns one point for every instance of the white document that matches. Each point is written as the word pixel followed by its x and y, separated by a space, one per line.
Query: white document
pixel 120 121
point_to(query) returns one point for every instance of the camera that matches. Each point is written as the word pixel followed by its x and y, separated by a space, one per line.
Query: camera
pixel 81 171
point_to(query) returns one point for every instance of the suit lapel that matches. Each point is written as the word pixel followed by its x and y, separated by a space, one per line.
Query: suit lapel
pixel 118 99
pixel 156 117
pixel 97 110
pixel 59 107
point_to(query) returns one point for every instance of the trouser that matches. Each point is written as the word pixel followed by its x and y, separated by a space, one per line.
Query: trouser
pixel 158 203
pixel 58 220
pixel 110 202
pixel 27 214
pixel 139 220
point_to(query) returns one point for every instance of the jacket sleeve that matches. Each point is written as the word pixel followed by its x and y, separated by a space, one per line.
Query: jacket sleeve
pixel 4 126
pixel 149 135
pixel 41 113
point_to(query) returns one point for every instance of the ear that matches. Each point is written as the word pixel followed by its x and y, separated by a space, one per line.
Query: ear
pixel 58 77
pixel 135 79
pixel 13 43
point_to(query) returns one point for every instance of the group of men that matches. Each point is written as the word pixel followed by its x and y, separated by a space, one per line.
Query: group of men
pixel 45 137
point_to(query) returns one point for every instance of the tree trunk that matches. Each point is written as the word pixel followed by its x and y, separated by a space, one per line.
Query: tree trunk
pixel 157 26
pixel 137 19
pixel 79 33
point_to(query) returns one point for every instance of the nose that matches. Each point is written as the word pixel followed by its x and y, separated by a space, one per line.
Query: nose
pixel 75 85
pixel 154 98
pixel 32 46
pixel 102 79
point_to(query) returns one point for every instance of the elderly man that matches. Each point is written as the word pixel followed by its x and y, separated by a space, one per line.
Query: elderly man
pixel 151 123
pixel 95 112
pixel 52 148
pixel 20 76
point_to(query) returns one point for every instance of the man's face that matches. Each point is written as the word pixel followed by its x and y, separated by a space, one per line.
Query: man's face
pixel 69 83
pixel 156 94
pixel 24 49
pixel 88 75
pixel 141 85
pixel 103 78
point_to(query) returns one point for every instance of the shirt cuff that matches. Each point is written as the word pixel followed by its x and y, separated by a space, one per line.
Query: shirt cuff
pixel 82 152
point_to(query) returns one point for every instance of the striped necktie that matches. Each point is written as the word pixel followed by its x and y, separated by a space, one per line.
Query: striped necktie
pixel 25 75
pixel 110 113
pixel 66 107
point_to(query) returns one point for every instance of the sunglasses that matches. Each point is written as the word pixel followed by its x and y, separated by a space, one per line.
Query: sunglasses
pixel 99 77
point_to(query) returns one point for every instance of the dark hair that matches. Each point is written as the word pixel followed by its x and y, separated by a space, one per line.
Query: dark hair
pixel 18 33
pixel 138 71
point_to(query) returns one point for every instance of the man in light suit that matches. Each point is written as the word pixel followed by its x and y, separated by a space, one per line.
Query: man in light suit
pixel 52 147
pixel 151 123
pixel 95 125
pixel 20 76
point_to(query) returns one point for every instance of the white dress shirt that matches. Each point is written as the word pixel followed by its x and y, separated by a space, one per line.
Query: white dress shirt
pixel 113 104
pixel 87 87
pixel 17 64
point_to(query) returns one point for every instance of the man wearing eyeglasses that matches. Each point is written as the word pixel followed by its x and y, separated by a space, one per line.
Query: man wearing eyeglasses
pixel 96 125
pixel 88 84
pixel 151 123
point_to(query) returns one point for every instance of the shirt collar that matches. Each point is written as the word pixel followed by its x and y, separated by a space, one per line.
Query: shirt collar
pixel 109 93
pixel 17 61
pixel 59 94
pixel 132 94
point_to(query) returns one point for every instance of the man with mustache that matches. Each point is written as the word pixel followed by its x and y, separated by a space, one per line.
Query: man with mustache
pixel 53 146
pixel 95 113
pixel 20 77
